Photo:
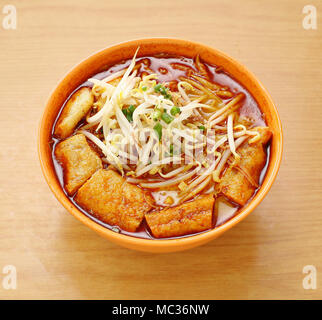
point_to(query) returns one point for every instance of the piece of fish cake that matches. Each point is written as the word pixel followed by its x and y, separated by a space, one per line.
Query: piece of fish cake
pixel 108 197
pixel 187 218
pixel 75 109
pixel 78 160
pixel 234 184
pixel 236 187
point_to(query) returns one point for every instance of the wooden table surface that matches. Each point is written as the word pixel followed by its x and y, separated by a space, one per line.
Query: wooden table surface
pixel 261 258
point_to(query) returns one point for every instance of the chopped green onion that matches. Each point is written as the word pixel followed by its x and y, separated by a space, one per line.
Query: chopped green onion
pixel 156 115
pixel 175 110
pixel 157 88
pixel 163 90
pixel 166 118
pixel 158 130
pixel 129 117
pixel 124 111
pixel 144 88
pixel 202 128
pixel 171 149
pixel 128 112
pixel 131 108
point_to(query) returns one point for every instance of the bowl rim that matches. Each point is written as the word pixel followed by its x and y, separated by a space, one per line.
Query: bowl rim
pixel 176 243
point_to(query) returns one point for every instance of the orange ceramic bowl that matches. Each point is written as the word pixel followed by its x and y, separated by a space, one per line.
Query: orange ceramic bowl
pixel 101 61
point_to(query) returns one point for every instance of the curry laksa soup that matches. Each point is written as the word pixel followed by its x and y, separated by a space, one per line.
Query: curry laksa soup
pixel 160 147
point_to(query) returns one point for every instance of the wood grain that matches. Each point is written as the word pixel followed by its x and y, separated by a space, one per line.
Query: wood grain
pixel 261 258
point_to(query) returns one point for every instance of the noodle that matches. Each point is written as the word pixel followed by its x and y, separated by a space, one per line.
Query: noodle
pixel 144 124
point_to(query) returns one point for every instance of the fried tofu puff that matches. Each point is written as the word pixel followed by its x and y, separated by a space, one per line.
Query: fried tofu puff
pixel 190 217
pixel 240 181
pixel 108 197
pixel 75 109
pixel 78 161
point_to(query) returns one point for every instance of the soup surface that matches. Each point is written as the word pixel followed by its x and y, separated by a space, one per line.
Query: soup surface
pixel 160 147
